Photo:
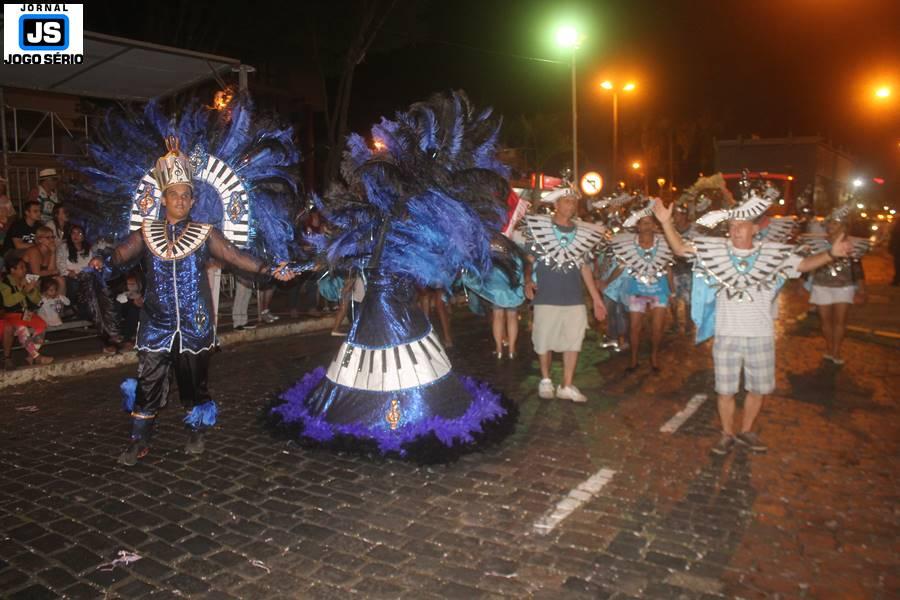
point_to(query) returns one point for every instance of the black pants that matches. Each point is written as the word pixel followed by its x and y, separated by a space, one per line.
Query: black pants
pixel 155 370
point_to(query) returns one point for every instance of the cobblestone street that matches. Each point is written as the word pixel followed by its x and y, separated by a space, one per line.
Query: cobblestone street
pixel 815 517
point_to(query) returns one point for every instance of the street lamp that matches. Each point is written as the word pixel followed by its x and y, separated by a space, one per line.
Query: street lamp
pixel 883 92
pixel 568 37
pixel 609 86
pixel 641 176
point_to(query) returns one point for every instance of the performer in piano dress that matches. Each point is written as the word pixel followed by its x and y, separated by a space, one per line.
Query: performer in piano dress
pixel 177 322
pixel 423 199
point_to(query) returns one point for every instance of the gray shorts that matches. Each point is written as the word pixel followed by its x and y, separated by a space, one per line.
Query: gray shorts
pixel 558 328
pixel 755 355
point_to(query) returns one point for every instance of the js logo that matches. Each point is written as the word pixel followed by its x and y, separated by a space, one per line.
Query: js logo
pixel 43 32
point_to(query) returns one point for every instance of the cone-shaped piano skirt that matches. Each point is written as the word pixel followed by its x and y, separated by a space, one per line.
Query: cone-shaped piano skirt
pixel 391 388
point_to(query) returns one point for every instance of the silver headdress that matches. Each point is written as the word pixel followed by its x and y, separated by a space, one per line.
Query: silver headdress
pixel 753 207
pixel 174 168
pixel 841 212
pixel 561 192
pixel 612 201
pixel 633 218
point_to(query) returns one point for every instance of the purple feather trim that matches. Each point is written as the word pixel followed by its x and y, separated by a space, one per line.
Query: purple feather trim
pixel 485 407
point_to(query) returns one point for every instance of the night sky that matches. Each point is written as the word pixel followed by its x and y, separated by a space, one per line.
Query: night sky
pixel 730 67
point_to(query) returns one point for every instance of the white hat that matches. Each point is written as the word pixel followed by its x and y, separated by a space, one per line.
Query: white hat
pixel 559 193
pixel 637 215
pixel 753 207
pixel 45 173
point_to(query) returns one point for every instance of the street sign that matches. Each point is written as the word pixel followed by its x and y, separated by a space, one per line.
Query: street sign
pixel 591 183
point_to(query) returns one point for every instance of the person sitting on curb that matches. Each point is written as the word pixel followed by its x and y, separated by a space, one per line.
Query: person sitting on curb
pixel 21 299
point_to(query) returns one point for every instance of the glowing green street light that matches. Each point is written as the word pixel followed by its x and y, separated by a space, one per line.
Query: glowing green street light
pixel 569 37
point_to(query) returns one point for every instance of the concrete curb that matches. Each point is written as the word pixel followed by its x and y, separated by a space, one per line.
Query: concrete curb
pixel 77 366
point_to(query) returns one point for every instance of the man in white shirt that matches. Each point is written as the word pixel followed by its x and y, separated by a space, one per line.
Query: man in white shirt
pixel 744 323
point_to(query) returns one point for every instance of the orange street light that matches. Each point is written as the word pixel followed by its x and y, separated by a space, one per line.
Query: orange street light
pixel 610 86
pixel 636 165
pixel 883 92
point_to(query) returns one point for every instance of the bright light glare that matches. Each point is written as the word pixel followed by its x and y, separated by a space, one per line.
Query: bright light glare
pixel 883 92
pixel 629 87
pixel 567 37
pixel 864 215
pixel 636 165
pixel 607 85
pixel 781 202
pixel 874 227
pixel 857 182
pixel 893 211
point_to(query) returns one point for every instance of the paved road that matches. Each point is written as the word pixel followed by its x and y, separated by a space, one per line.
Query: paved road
pixel 816 517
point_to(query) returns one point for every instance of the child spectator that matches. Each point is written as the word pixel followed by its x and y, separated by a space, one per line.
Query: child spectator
pixel 21 299
pixel 52 302
pixel 128 306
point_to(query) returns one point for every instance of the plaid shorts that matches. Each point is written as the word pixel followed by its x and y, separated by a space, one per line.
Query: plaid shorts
pixel 756 355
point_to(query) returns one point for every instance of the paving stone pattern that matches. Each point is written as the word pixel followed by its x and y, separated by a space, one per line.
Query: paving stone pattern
pixel 816 517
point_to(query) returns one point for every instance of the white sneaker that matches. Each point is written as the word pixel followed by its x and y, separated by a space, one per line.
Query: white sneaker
pixel 545 389
pixel 570 392
pixel 268 317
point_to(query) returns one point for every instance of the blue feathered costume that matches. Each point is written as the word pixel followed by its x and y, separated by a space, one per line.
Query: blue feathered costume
pixel 422 201
pixel 239 172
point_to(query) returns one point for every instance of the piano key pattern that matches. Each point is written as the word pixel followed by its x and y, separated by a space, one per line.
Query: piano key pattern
pixel 715 260
pixel 224 180
pixel 540 233
pixel 624 246
pixel 400 367
pixel 191 239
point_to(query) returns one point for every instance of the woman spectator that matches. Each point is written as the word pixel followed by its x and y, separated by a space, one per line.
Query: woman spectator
pixel 21 299
pixel 59 224
pixel 77 254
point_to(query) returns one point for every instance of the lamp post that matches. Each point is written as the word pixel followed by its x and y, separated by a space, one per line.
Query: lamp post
pixel 611 87
pixel 569 37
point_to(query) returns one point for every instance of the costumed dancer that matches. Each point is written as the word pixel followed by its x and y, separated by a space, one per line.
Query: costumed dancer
pixel 682 270
pixel 608 274
pixel 505 296
pixel 558 265
pixel 646 281
pixel 736 280
pixel 835 287
pixel 230 164
pixel 417 207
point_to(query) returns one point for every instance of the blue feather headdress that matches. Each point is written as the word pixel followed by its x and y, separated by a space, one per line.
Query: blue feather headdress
pixel 425 199
pixel 248 193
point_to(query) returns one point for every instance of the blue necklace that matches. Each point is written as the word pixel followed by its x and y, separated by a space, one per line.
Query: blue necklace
pixel 564 238
pixel 743 264
pixel 647 254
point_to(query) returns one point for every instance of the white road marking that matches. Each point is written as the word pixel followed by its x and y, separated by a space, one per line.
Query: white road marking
pixel 580 494
pixel 683 415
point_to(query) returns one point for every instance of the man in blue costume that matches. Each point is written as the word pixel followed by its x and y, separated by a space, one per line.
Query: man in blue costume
pixel 177 324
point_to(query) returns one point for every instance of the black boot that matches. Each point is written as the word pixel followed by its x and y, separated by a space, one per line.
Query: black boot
pixel 195 444
pixel 141 432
